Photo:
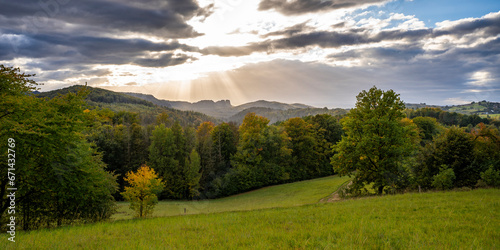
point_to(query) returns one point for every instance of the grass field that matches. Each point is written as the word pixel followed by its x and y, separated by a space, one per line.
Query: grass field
pixel 287 195
pixel 440 220
pixel 492 116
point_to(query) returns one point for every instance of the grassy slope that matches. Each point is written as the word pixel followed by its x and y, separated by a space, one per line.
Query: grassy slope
pixel 287 195
pixel 441 220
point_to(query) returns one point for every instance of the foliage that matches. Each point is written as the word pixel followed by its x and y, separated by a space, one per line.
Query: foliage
pixel 162 158
pixel 144 186
pixel 491 177
pixel 59 175
pixel 277 115
pixel 376 142
pixel 444 180
pixel 428 127
pixel 204 147
pixel 262 156
pixel 456 150
pixel 192 175
pixel 304 155
pixel 448 118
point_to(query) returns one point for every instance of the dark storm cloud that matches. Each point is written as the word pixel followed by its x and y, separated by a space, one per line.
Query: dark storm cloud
pixel 74 34
pixel 324 39
pixel 57 51
pixel 163 61
pixel 299 7
pixel 65 74
pixel 160 18
pixel 394 53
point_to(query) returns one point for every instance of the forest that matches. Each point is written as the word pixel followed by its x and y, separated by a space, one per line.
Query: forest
pixel 71 157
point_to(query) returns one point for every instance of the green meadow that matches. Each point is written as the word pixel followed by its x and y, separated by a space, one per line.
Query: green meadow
pixel 278 219
pixel 286 195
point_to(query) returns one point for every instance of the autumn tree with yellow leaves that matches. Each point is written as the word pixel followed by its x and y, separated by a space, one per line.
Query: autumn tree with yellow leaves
pixel 143 190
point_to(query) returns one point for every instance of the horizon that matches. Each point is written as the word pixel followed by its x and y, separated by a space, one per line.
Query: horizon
pixel 320 53
pixel 252 101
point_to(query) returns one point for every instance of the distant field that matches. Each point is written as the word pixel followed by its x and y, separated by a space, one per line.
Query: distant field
pixel 493 116
pixel 287 195
pixel 440 220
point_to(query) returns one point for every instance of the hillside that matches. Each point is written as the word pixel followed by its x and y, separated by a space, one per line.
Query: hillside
pixel 285 195
pixel 437 220
pixel 224 110
pixel 117 102
pixel 483 108
pixel 275 115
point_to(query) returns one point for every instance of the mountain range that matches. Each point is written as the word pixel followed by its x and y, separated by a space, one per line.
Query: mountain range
pixel 223 110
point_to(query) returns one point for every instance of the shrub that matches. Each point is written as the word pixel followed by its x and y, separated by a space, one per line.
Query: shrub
pixel 490 177
pixel 444 180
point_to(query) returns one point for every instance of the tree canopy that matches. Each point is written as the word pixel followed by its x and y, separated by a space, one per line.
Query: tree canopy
pixel 376 141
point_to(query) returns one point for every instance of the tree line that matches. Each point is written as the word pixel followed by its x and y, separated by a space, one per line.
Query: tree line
pixel 386 151
pixel 209 160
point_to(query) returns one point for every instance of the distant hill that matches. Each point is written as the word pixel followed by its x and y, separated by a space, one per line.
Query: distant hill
pixel 97 95
pixel 274 111
pixel 147 110
pixel 276 115
pixel 483 108
pixel 271 105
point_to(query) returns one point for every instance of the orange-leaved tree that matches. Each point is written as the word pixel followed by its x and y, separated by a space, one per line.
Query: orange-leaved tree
pixel 143 190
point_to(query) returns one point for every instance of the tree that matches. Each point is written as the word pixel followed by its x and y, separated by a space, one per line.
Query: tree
pixel 376 142
pixel 192 175
pixel 162 157
pixel 444 180
pixel 262 156
pixel 456 150
pixel 143 190
pixel 224 147
pixel 428 128
pixel 60 177
pixel 305 157
pixel 204 146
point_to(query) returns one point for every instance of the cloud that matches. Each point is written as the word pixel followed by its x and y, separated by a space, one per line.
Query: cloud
pixel 298 28
pixel 163 61
pixel 161 18
pixel 58 51
pixel 298 7
pixel 323 39
pixel 301 36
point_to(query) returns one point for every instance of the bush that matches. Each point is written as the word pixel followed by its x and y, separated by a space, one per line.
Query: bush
pixel 490 177
pixel 444 180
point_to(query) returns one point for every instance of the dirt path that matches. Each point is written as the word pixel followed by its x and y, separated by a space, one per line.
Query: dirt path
pixel 335 195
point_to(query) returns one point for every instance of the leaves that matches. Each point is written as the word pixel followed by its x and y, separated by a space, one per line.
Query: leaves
pixel 376 141
pixel 143 190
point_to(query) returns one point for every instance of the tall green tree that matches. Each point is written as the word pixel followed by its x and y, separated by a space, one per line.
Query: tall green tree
pixel 305 157
pixel 162 158
pixel 204 146
pixel 192 175
pixel 456 150
pixel 262 156
pixel 224 144
pixel 60 178
pixel 375 143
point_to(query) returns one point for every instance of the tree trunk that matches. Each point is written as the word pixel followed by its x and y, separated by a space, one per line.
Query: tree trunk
pixel 380 190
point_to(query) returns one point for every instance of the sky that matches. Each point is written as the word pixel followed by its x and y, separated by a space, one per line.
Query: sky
pixel 316 52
